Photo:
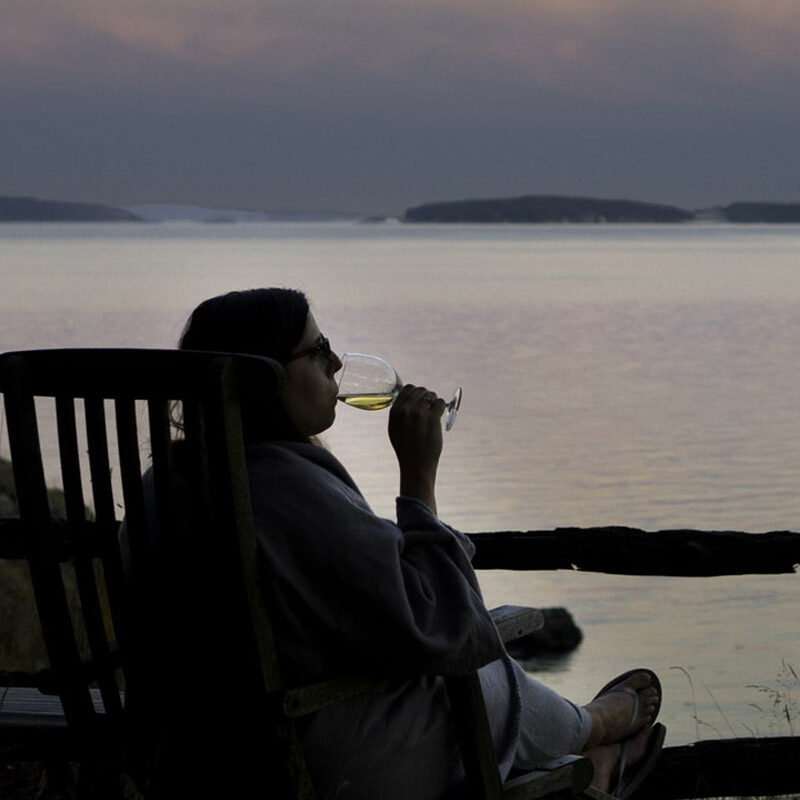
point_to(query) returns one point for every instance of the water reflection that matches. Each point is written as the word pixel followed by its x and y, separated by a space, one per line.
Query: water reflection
pixel 612 375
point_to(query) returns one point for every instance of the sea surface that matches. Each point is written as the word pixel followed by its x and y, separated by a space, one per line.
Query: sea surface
pixel 636 375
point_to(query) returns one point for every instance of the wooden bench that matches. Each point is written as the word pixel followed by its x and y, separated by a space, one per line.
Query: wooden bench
pixel 92 410
pixel 105 403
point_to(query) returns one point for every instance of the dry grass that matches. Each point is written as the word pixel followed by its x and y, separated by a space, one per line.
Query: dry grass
pixel 21 643
pixel 34 781
pixel 8 495
pixel 22 648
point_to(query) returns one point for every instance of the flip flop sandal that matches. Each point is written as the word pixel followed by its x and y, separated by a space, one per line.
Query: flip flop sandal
pixel 628 784
pixel 614 686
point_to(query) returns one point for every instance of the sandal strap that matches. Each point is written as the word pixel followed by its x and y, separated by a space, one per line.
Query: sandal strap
pixel 635 713
pixel 623 763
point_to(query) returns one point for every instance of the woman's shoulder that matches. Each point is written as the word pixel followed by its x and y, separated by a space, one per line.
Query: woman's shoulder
pixel 300 481
pixel 288 453
pixel 285 459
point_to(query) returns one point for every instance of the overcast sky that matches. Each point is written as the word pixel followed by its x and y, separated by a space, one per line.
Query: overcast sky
pixel 376 105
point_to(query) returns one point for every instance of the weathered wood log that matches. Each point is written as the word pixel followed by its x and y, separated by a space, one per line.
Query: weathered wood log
pixel 725 768
pixel 615 549
pixel 630 551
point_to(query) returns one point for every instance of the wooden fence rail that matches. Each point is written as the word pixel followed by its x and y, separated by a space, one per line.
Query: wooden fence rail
pixel 614 550
pixel 631 551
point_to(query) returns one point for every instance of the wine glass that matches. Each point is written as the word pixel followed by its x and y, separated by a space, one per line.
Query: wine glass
pixel 370 383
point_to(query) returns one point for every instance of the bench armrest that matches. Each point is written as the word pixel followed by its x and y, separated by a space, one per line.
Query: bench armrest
pixel 514 622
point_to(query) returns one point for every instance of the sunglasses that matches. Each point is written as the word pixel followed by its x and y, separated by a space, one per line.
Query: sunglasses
pixel 321 348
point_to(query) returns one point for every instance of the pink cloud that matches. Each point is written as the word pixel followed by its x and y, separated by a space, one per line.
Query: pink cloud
pixel 177 30
pixel 637 48
pixel 25 38
pixel 767 33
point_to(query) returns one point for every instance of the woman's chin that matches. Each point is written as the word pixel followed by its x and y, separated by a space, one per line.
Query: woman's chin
pixel 322 427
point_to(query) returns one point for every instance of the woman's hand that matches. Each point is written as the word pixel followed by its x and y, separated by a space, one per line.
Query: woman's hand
pixel 415 431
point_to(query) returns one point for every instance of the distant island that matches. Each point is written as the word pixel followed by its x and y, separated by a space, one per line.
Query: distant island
pixel 545 208
pixel 762 212
pixel 583 210
pixel 527 209
pixel 29 209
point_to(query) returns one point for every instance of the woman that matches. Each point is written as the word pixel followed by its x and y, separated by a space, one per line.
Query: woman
pixel 353 592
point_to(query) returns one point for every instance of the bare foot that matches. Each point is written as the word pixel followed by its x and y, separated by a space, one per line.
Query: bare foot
pixel 612 713
pixel 605 758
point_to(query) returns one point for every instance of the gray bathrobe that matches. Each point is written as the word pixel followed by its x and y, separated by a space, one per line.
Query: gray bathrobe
pixel 349 593
pixel 356 593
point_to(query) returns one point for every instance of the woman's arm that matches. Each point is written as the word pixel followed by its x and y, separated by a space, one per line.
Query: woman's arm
pixel 415 431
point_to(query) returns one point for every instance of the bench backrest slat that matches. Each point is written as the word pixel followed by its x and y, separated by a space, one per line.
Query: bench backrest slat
pixel 43 545
pixel 107 413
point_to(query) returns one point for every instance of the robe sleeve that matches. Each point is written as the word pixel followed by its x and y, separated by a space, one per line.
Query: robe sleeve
pixel 414 514
pixel 352 592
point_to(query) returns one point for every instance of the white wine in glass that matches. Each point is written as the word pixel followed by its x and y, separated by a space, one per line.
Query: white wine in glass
pixel 370 383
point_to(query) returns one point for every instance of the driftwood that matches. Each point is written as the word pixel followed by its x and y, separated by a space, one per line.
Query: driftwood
pixel 615 550
pixel 725 768
pixel 630 551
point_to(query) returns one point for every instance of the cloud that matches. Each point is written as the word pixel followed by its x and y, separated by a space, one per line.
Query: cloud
pixel 213 33
pixel 392 95
pixel 436 50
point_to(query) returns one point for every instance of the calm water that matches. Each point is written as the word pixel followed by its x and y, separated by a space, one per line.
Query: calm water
pixel 638 375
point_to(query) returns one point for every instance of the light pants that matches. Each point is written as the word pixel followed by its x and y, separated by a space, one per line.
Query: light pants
pixel 552 726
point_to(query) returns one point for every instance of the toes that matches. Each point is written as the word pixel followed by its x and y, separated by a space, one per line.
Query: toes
pixel 648 699
pixel 638 681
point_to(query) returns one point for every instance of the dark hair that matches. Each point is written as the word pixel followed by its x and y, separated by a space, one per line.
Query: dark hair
pixel 261 322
